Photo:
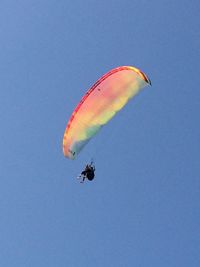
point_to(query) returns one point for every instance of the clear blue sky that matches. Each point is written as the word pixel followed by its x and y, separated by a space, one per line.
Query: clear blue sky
pixel 143 209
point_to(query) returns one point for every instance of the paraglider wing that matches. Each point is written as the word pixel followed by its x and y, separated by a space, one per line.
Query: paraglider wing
pixel 101 102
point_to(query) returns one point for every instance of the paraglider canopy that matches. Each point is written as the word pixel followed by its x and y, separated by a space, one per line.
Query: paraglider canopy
pixel 100 103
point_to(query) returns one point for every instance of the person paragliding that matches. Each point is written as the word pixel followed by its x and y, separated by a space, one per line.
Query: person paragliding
pixel 87 173
pixel 107 96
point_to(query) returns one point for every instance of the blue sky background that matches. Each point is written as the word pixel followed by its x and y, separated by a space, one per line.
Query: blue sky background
pixel 143 207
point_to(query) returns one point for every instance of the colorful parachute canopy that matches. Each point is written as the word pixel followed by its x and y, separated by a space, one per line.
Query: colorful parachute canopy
pixel 100 103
